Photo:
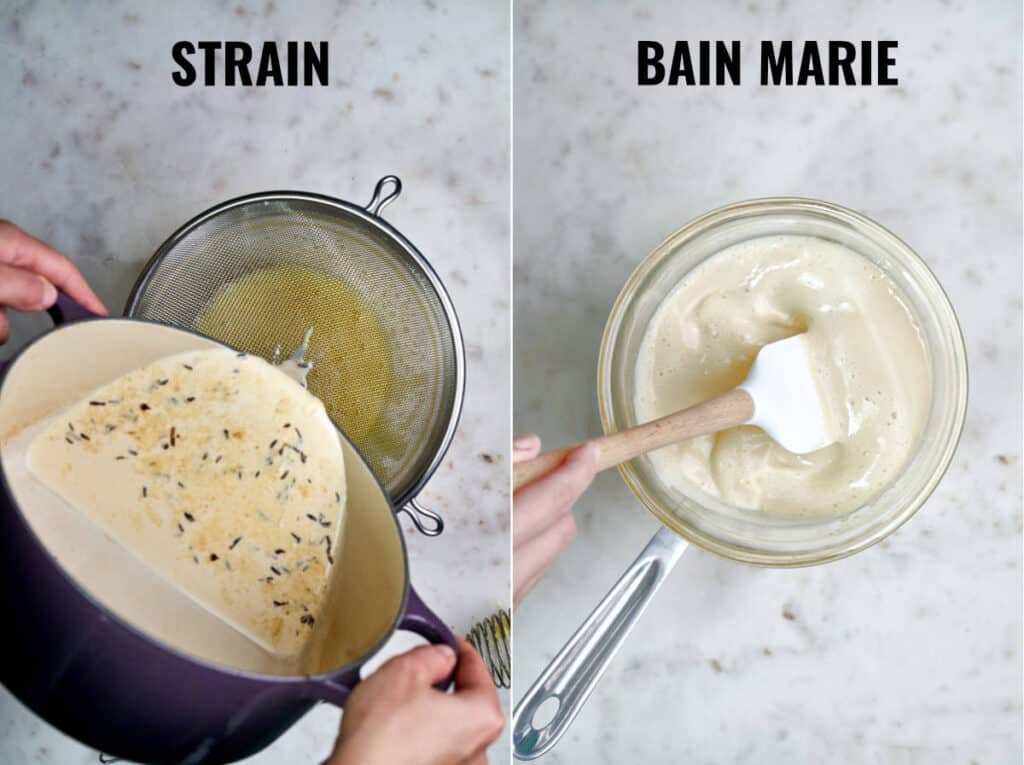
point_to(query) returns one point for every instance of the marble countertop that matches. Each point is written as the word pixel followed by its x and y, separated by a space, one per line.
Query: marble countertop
pixel 102 156
pixel 909 652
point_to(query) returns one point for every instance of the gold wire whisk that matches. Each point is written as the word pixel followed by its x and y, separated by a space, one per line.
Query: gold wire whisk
pixel 490 638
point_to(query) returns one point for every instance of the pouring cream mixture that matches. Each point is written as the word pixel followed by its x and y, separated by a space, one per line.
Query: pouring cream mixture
pixel 870 358
pixel 219 473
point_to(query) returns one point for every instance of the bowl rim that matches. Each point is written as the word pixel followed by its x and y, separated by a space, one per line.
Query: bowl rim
pixel 745 553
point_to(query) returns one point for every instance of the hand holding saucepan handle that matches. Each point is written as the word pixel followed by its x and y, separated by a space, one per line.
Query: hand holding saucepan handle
pixel 64 311
pixel 31 271
pixel 417 618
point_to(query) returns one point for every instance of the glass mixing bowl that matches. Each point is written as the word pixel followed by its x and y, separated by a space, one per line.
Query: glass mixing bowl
pixel 748 535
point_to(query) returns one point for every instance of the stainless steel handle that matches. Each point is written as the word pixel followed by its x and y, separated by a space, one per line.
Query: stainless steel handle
pixel 427 522
pixel 572 674
pixel 381 198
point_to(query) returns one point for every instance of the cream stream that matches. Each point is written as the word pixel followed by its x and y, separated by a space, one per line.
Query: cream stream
pixel 221 475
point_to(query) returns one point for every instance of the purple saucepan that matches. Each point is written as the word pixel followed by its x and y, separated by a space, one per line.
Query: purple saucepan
pixel 86 669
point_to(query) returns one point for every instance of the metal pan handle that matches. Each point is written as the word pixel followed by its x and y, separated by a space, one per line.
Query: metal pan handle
pixel 573 673
pixel 384 193
pixel 426 521
pixel 417 618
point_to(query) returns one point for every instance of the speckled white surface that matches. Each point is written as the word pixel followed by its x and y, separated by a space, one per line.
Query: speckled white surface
pixel 101 155
pixel 911 651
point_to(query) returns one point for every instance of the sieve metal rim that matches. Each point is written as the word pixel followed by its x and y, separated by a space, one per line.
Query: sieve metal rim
pixel 368 215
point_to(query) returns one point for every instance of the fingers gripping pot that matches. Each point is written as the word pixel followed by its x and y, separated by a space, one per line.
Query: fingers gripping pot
pixel 77 652
pixel 259 271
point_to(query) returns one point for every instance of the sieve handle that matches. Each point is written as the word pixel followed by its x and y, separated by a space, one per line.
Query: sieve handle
pixel 427 522
pixel 384 193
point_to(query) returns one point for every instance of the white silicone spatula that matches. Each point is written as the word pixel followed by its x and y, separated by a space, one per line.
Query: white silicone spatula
pixel 779 396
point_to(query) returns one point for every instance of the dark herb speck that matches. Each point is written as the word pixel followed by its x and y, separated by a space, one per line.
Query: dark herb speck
pixel 234 543
pixel 189 517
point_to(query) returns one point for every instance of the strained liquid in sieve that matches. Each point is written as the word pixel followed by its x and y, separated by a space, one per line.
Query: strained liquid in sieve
pixel 257 272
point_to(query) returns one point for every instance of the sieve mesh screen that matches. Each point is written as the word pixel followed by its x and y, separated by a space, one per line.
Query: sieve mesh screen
pixel 258 274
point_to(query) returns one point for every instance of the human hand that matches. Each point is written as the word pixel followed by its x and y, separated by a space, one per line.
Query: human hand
pixel 31 272
pixel 542 521
pixel 397 716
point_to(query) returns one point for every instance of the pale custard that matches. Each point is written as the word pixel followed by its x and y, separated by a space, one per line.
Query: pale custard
pixel 219 473
pixel 868 352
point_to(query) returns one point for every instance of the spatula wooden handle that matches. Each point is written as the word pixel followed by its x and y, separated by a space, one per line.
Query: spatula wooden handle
pixel 719 413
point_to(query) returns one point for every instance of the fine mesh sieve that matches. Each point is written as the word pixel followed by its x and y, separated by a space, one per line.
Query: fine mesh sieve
pixel 388 360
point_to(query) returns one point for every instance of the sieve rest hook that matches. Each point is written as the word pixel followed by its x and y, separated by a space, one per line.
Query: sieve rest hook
pixel 427 522
pixel 382 198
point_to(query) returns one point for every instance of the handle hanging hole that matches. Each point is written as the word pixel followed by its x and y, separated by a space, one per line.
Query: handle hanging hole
pixel 384 193
pixel 427 522
pixel 545 713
